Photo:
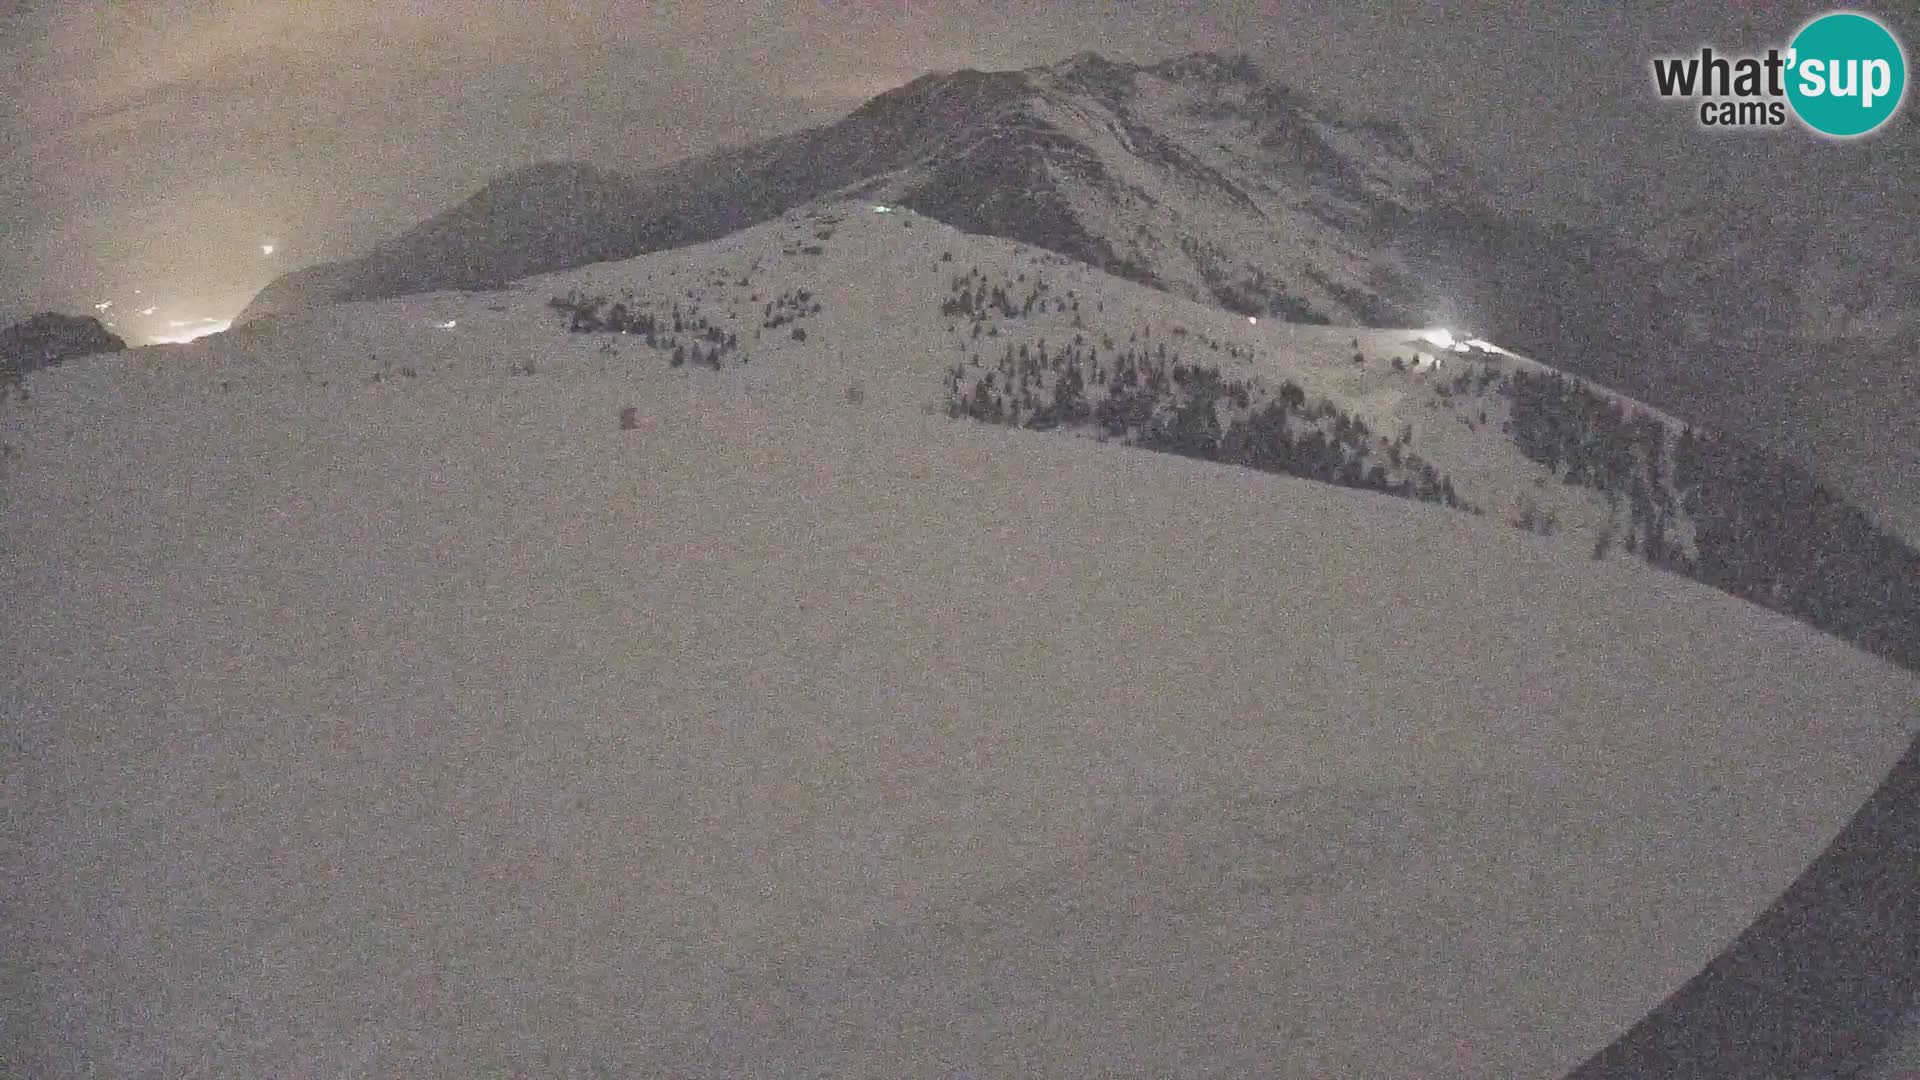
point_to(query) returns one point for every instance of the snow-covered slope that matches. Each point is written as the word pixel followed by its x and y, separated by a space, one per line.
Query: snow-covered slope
pixel 1027 337
pixel 884 293
pixel 380 702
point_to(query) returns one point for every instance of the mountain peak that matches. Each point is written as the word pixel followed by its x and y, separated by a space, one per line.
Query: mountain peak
pixel 1094 73
pixel 1210 67
pixel 1194 68
pixel 1088 62
pixel 1083 58
pixel 943 95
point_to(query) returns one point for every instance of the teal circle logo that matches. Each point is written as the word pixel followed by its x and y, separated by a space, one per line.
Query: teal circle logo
pixel 1847 74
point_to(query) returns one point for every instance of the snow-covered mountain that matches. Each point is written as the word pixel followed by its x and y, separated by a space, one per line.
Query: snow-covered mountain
pixel 1203 177
pixel 1200 176
pixel 1197 175
pixel 691 683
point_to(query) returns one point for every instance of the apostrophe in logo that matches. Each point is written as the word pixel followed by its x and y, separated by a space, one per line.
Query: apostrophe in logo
pixel 1849 74
pixel 1843 75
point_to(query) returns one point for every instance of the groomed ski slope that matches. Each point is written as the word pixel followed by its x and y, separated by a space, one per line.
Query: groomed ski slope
pixel 436 726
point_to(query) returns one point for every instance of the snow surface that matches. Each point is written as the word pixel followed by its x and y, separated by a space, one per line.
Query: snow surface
pixel 435 726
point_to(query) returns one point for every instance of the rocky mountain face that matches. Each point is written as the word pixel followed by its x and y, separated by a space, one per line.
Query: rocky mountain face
pixel 51 338
pixel 1200 177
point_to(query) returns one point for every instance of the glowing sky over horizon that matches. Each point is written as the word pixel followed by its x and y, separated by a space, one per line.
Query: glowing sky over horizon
pixel 181 331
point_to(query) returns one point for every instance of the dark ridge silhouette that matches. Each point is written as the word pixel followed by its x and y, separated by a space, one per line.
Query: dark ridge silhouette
pixel 48 339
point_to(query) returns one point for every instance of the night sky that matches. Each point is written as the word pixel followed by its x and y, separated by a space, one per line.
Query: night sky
pixel 160 145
